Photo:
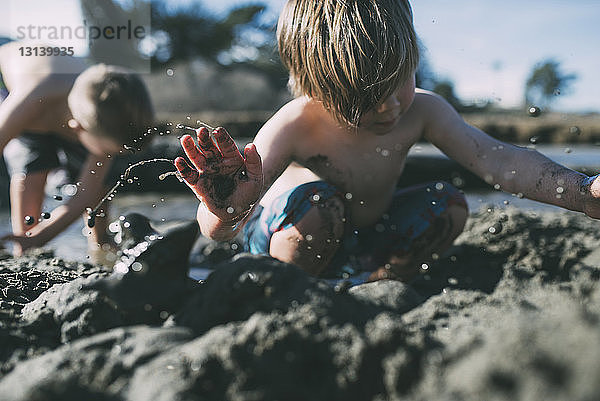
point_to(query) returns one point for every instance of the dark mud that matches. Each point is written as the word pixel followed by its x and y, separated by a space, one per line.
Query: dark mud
pixel 510 313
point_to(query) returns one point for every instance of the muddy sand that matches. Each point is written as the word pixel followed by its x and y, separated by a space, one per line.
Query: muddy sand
pixel 509 315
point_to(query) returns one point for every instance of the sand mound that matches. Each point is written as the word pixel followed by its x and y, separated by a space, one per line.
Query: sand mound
pixel 510 313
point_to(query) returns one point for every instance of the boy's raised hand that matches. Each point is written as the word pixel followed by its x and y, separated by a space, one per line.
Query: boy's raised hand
pixel 227 182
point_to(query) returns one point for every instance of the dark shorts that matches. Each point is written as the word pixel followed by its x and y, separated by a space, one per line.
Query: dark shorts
pixel 413 210
pixel 3 89
pixel 32 153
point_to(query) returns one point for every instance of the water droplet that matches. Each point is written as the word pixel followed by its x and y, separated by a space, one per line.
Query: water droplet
pixel 385 153
pixel 495 229
pixel 99 164
pixel 439 186
pixel 29 220
pixel 234 247
pixel 28 234
pixel 170 72
pixel 556 91
pixel 425 266
pixel 46 215
pixel 316 198
pixel 575 130
pixel 533 139
pixel 534 111
pixel 568 150
pixel 91 220
pixel 348 195
pixel 129 181
pixel 230 210
pixel 136 266
pixel 92 172
pixel 560 190
pixel 58 197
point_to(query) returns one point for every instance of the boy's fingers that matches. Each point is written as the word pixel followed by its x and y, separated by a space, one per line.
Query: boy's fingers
pixel 226 144
pixel 206 144
pixel 253 162
pixel 192 152
pixel 190 175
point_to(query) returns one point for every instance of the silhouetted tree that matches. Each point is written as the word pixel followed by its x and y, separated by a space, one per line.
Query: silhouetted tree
pixel 189 31
pixel 547 81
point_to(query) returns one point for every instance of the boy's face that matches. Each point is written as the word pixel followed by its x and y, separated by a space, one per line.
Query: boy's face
pixel 384 118
pixel 95 144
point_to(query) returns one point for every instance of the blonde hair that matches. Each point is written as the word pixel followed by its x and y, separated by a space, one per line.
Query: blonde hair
pixel 349 54
pixel 112 102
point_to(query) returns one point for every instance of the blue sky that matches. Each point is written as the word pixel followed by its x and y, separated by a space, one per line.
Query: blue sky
pixel 486 47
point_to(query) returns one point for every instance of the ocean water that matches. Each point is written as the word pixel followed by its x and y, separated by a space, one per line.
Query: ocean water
pixel 72 243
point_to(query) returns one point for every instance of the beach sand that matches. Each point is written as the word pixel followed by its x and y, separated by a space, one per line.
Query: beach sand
pixel 513 314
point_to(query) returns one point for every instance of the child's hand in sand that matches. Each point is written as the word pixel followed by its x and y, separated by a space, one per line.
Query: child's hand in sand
pixel 227 182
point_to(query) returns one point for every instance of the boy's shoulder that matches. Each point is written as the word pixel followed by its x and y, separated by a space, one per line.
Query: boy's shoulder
pixel 430 101
pixel 298 115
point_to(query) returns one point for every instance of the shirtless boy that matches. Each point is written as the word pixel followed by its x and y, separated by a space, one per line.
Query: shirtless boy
pixel 317 187
pixel 55 111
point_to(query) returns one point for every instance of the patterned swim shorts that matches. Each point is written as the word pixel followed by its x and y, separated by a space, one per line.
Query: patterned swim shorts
pixel 412 211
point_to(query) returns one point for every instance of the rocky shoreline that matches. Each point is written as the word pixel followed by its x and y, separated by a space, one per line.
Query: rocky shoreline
pixel 510 313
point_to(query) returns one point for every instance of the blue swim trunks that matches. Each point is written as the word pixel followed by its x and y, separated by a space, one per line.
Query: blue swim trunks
pixel 413 210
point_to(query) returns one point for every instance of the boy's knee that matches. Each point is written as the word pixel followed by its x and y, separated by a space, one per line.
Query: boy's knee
pixel 311 241
pixel 323 221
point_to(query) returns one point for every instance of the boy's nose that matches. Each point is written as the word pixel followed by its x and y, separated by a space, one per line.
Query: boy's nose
pixel 390 103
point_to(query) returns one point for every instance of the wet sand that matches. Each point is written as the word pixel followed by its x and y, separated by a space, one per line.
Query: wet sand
pixel 509 313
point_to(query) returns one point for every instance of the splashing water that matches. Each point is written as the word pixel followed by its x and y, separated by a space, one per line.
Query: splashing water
pixel 91 221
pixel 182 126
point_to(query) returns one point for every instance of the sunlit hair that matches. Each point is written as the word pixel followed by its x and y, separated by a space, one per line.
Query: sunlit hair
pixel 349 54
pixel 112 102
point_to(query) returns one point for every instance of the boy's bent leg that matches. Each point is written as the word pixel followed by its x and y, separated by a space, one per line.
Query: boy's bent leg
pixel 26 197
pixel 428 231
pixel 313 240
pixel 302 226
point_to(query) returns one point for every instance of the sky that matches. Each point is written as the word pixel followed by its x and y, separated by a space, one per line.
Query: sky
pixel 487 48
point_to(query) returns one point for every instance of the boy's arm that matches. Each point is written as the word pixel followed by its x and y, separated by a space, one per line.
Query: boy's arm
pixel 227 183
pixel 90 191
pixel 507 167
pixel 16 111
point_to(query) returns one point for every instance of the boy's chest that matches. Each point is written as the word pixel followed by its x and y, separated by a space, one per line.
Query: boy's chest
pixel 363 167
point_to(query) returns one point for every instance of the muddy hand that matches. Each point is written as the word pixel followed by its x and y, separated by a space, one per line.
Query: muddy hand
pixel 226 181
